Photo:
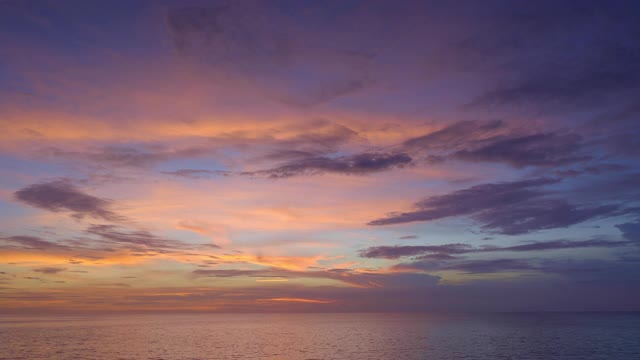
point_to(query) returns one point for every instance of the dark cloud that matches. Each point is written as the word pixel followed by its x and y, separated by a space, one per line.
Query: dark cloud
pixel 469 201
pixel 531 150
pixel 468 266
pixel 358 164
pixel 496 141
pixel 34 243
pixel 592 170
pixel 394 252
pixel 559 244
pixel 508 208
pixel 61 195
pixel 540 214
pixel 546 66
pixel 408 237
pixel 630 231
pixel 49 270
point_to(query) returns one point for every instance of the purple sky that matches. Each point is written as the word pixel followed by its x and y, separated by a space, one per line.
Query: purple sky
pixel 319 156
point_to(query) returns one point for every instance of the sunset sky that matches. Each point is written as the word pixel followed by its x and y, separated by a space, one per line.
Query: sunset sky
pixel 319 156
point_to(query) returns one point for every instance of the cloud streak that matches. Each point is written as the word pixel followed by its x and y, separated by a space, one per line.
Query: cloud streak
pixel 509 208
pixel 359 164
pixel 394 252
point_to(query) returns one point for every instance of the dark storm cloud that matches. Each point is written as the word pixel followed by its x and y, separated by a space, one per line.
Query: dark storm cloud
pixel 61 195
pixel 394 252
pixel 508 208
pixel 531 150
pixel 49 270
pixel 358 164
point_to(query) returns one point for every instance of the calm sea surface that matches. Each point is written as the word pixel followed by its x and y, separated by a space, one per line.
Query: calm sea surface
pixel 324 336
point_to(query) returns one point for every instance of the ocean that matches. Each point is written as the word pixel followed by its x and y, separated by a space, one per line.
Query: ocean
pixel 517 336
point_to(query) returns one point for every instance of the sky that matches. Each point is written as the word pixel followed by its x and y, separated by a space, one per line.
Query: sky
pixel 293 156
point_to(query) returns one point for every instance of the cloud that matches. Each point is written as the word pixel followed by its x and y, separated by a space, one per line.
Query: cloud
pixel 509 208
pixel 358 164
pixel 613 71
pixel 545 69
pixel 496 141
pixel 467 266
pixel 630 231
pixel 242 39
pixel 457 135
pixel 531 150
pixel 540 214
pixel 312 139
pixel 137 238
pixel 61 195
pixel 196 173
pixel 593 170
pixel 34 243
pixel 347 276
pixel 129 156
pixel 487 266
pixel 49 270
pixel 469 201
pixel 227 273
pixel 394 252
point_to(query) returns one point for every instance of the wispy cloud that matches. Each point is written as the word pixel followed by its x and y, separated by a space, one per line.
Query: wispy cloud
pixel 508 208
pixel 358 164
pixel 394 252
